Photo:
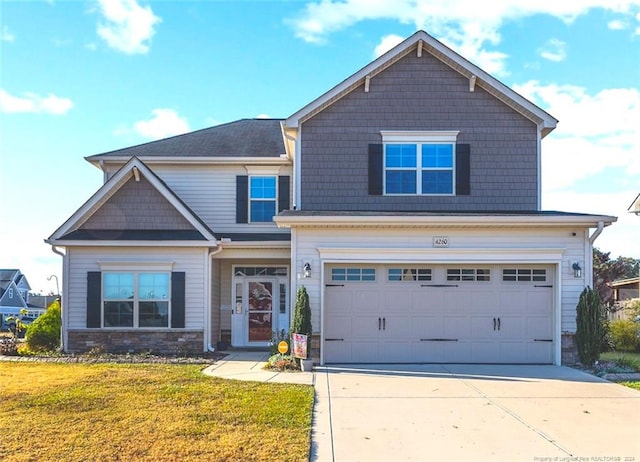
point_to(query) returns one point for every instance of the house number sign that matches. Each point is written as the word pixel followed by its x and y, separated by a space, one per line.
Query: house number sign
pixel 441 241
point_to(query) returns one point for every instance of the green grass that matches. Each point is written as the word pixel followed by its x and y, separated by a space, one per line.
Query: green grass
pixel 109 412
pixel 635 385
pixel 623 357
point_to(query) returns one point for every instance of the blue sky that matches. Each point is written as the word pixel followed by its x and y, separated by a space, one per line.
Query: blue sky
pixel 83 77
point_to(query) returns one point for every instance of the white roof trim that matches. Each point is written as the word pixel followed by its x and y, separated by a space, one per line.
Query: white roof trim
pixel 111 187
pixel 440 220
pixel 457 62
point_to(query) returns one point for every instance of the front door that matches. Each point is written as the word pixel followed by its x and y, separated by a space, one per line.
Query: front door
pixel 261 307
pixel 261 299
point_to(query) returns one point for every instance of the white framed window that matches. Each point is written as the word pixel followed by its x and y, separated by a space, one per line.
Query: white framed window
pixel 419 163
pixel 136 299
pixel 263 198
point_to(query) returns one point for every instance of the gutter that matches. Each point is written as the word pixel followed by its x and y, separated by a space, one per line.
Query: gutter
pixel 210 348
pixel 63 317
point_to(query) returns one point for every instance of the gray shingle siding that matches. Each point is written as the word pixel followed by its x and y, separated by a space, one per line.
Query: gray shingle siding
pixel 137 206
pixel 418 94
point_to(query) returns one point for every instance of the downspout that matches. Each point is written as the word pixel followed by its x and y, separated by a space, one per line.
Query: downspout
pixel 218 249
pixel 596 233
pixel 592 239
pixel 63 317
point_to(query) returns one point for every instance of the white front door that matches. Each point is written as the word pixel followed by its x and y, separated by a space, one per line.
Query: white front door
pixel 260 309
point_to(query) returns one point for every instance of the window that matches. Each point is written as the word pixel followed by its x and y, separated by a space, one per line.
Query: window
pixel 353 274
pixel 136 299
pixel 262 198
pixel 409 274
pixel 458 274
pixel 419 163
pixel 10 292
pixel 419 168
pixel 524 275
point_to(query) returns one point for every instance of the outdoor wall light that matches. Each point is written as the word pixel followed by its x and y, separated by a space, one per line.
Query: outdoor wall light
pixel 577 271
pixel 306 270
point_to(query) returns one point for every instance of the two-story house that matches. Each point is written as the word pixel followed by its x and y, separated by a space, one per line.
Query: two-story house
pixel 14 297
pixel 406 200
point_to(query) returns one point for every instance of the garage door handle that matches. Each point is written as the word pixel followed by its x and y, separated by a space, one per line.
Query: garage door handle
pixel 438 339
pixel 494 323
pixel 379 323
pixel 498 323
pixel 334 340
pixel 543 340
pixel 384 323
pixel 548 287
pixel 438 285
pixel 334 285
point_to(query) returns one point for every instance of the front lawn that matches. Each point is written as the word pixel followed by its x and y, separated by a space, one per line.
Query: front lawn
pixel 107 412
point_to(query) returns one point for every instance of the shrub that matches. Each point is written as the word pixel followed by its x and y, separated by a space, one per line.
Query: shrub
pixel 590 330
pixel 301 323
pixel 280 362
pixel 625 335
pixel 44 333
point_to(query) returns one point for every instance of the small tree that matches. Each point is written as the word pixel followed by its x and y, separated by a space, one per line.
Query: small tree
pixel 16 324
pixel 44 333
pixel 590 326
pixel 301 323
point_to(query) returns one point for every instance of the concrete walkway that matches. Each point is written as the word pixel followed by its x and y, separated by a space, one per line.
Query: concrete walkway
pixel 249 365
pixel 458 412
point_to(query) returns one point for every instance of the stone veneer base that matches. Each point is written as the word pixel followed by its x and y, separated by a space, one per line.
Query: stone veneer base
pixel 167 342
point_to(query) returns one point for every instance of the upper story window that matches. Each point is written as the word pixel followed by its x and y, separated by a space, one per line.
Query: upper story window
pixel 419 168
pixel 262 198
pixel 419 163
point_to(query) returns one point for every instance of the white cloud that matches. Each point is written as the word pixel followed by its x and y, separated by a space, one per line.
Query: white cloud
pixel 554 50
pixel 616 24
pixel 595 132
pixel 164 123
pixel 387 43
pixel 32 103
pixel 127 26
pixel 467 26
pixel 6 36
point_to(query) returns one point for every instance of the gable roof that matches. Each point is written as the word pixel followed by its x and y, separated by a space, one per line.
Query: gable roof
pixel 70 233
pixel 422 42
pixel 8 276
pixel 241 138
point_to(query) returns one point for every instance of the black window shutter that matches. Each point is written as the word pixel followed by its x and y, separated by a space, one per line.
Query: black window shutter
pixel 283 194
pixel 242 199
pixel 463 169
pixel 375 169
pixel 94 298
pixel 177 299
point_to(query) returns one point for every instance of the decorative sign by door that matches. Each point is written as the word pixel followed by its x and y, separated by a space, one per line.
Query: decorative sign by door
pixel 299 346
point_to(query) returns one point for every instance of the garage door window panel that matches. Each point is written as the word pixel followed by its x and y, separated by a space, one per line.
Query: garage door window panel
pixel 524 275
pixel 408 274
pixel 469 274
pixel 353 274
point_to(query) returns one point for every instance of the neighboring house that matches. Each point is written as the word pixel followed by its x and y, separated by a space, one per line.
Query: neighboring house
pixel 406 200
pixel 635 206
pixel 625 289
pixel 14 297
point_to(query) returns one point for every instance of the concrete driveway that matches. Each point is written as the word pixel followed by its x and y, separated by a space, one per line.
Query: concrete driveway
pixel 472 413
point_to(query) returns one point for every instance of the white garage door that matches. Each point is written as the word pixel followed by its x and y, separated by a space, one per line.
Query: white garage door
pixel 448 314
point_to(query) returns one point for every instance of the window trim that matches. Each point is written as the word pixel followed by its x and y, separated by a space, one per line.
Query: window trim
pixel 360 274
pixel 274 200
pixel 136 296
pixel 468 274
pixel 419 139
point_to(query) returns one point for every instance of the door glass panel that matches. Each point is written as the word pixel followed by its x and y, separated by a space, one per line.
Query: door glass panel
pixel 260 311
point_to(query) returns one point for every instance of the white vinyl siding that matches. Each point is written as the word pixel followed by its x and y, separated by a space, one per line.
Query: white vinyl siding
pixel 85 259
pixel 210 191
